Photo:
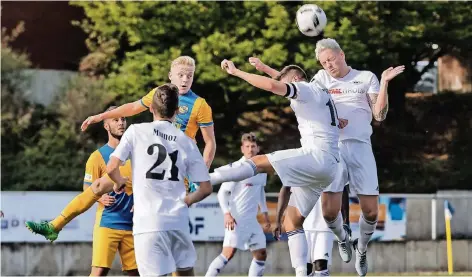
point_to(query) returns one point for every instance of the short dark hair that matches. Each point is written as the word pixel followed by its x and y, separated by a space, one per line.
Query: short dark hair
pixel 166 100
pixel 291 71
pixel 251 137
pixel 111 108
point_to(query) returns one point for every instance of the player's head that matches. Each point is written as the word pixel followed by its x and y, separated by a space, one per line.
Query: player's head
pixel 331 57
pixel 249 146
pixel 181 73
pixel 291 73
pixel 115 126
pixel 165 102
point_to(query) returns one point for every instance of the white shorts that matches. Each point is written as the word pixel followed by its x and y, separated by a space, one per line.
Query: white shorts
pixel 245 236
pixel 305 198
pixel 304 167
pixel 164 252
pixel 358 168
pixel 320 245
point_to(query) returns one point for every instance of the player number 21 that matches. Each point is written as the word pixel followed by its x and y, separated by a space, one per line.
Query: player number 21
pixel 161 157
pixel 333 112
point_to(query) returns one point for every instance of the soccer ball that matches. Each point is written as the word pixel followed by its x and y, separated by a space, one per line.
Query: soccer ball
pixel 311 20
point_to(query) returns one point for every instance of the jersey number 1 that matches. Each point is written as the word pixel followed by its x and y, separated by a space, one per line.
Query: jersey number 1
pixel 161 157
pixel 333 112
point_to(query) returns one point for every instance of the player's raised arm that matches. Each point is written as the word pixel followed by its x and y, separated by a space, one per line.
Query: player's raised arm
pixel 379 101
pixel 259 65
pixel 258 81
pixel 125 110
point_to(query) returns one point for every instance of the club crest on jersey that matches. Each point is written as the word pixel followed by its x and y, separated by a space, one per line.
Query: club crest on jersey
pixel 249 185
pixel 183 109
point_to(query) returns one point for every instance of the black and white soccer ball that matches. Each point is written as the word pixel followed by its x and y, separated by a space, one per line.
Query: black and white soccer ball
pixel 311 20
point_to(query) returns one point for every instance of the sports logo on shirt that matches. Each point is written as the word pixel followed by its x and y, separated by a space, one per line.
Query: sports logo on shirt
pixel 183 109
pixel 249 185
pixel 88 177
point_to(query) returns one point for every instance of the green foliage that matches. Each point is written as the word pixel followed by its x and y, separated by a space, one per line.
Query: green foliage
pixel 132 44
pixel 42 148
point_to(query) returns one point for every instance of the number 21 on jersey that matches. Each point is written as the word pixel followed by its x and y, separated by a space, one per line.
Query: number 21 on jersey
pixel 161 157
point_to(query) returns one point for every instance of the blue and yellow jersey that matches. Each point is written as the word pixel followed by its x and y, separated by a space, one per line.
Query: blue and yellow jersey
pixel 194 112
pixel 117 216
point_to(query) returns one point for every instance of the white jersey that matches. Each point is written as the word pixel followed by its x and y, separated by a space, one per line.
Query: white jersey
pixel 316 116
pixel 161 157
pixel 350 94
pixel 245 196
pixel 315 220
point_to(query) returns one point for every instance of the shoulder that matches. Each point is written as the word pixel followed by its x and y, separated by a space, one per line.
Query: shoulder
pixel 364 74
pixel 95 158
pixel 320 76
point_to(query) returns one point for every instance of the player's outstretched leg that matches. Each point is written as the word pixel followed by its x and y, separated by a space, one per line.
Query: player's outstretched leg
pixel 78 205
pixel 331 203
pixel 367 225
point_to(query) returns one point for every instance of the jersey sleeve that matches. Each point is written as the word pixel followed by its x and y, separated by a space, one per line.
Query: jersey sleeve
pixel 93 169
pixel 374 86
pixel 125 147
pixel 197 170
pixel 147 99
pixel 299 91
pixel 205 116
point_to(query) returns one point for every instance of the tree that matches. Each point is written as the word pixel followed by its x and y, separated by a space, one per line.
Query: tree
pixel 43 148
pixel 132 44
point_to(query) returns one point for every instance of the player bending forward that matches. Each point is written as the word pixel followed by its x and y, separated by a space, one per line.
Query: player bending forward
pixel 309 169
pixel 162 156
pixel 242 230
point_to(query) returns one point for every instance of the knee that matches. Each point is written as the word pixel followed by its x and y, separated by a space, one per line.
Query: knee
pixel 293 219
pixel 260 254
pixel 370 214
pixel 228 252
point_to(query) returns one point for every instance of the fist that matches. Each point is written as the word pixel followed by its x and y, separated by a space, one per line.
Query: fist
pixel 228 66
pixel 256 63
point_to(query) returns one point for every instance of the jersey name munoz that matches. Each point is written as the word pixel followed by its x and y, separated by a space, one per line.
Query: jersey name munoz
pixel 316 116
pixel 351 96
pixel 161 157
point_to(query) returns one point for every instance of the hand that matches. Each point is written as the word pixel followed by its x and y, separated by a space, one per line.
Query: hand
pixel 267 226
pixel 228 66
pixel 342 123
pixel 277 231
pixel 256 63
pixel 119 187
pixel 1 214
pixel 107 200
pixel 391 73
pixel 90 120
pixel 230 223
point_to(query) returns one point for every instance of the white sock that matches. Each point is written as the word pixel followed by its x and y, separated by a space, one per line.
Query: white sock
pixel 216 266
pixel 246 170
pixel 298 249
pixel 337 227
pixel 367 229
pixel 257 268
pixel 322 273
